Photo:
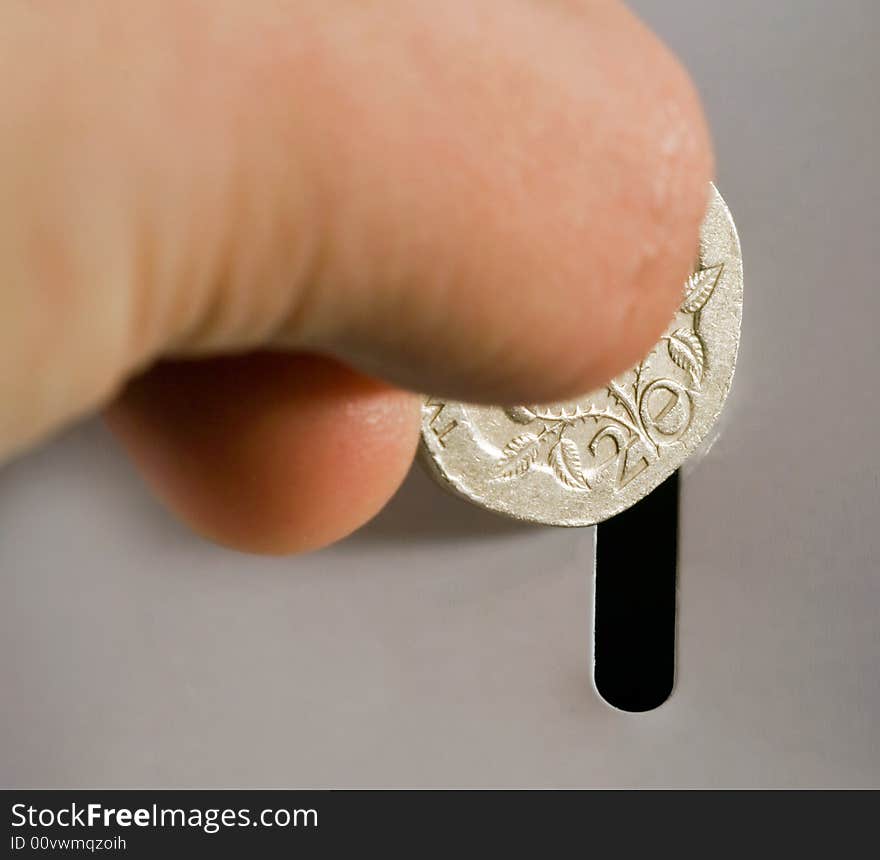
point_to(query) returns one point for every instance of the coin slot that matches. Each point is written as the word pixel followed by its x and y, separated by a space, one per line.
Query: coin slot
pixel 634 626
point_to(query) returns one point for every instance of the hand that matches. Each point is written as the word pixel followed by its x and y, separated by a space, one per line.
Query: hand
pixel 486 199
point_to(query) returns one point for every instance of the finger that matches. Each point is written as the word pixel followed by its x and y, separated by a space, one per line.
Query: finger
pixel 268 453
pixel 499 202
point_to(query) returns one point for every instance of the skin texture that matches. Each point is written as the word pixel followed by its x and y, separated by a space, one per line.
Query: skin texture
pixel 498 202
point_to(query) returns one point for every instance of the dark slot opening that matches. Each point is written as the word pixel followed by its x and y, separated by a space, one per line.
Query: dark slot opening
pixel 636 560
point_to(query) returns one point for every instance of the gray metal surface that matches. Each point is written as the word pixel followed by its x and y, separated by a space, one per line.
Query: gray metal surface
pixel 445 646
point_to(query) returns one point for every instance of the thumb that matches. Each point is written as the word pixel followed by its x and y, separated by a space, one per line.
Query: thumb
pixel 496 203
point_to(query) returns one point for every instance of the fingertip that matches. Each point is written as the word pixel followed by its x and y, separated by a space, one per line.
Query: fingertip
pixel 543 217
pixel 643 183
pixel 656 240
pixel 268 454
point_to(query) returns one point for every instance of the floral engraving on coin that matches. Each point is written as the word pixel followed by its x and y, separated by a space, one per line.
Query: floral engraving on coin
pixel 629 426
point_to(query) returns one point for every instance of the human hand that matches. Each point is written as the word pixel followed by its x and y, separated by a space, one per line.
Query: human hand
pixel 488 199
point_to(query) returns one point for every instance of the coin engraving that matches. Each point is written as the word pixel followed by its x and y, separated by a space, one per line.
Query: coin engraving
pixel 441 431
pixel 631 420
pixel 579 462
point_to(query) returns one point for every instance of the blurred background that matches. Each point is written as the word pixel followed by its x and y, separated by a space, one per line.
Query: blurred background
pixel 442 646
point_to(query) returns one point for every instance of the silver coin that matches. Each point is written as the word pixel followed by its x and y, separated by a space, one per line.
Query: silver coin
pixel 580 462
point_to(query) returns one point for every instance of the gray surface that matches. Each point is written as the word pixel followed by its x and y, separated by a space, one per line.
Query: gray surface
pixel 132 654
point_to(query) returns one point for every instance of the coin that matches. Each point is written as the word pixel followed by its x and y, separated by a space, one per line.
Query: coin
pixel 580 462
